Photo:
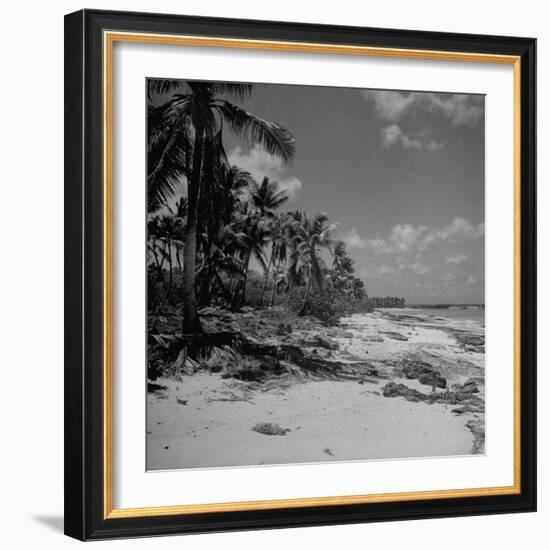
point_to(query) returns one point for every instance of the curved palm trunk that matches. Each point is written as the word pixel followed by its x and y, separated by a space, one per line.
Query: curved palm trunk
pixel 191 323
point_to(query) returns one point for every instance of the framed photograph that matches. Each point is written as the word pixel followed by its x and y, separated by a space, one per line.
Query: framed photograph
pixel 300 274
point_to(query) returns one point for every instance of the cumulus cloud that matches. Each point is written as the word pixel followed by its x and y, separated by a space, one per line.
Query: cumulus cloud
pixel 458 109
pixel 461 228
pixel 259 163
pixel 418 268
pixel 378 271
pixel 406 238
pixel 385 270
pixel 448 277
pixel 455 259
pixel 471 280
pixel 353 239
pixel 392 135
pixel 434 146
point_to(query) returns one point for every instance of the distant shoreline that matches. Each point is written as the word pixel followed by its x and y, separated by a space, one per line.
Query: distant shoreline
pixel 445 306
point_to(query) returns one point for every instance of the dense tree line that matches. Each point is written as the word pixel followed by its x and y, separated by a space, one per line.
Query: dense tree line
pixel 203 247
pixel 388 301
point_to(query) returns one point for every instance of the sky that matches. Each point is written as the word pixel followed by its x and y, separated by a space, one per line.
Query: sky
pixel 402 173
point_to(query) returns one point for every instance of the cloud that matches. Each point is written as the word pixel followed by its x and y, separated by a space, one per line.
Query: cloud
pixel 455 259
pixel 471 280
pixel 385 270
pixel 418 267
pixel 390 105
pixel 379 271
pixel 259 163
pixel 458 109
pixel 448 277
pixel 461 228
pixel 393 135
pixel 353 239
pixel 406 238
pixel 434 146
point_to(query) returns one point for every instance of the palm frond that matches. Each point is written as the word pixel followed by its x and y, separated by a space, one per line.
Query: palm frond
pixel 162 119
pixel 278 199
pixel 276 139
pixel 237 90
pixel 161 86
pixel 168 163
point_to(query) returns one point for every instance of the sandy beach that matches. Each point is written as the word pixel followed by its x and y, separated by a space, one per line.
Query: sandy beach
pixel 382 385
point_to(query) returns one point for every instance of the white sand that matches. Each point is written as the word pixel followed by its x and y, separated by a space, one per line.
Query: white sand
pixel 342 418
pixel 212 423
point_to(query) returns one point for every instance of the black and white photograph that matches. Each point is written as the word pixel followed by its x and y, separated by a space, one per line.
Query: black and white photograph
pixel 315 274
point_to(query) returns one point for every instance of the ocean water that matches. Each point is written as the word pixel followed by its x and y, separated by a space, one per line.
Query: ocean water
pixel 473 314
pixel 462 318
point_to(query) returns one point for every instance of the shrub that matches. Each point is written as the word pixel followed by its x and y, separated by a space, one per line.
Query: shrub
pixel 327 306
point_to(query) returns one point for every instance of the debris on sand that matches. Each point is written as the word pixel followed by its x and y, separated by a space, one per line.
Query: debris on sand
pixel 395 335
pixel 391 389
pixel 267 428
pixel 326 343
pixel 155 388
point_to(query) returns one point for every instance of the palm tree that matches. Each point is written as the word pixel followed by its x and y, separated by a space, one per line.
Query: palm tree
pixel 310 236
pixel 250 236
pixel 153 236
pixel 278 279
pixel 219 259
pixel 292 261
pixel 278 239
pixel 342 274
pixel 221 196
pixel 203 107
pixel 266 196
pixel 232 181
pixel 171 231
pixel 169 147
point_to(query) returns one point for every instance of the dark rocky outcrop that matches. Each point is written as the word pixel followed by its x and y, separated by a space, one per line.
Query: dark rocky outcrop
pixel 433 379
pixel 391 389
pixel 468 341
pixel 424 373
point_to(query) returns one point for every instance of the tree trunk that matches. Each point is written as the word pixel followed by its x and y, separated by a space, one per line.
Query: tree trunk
pixel 204 293
pixel 316 268
pixel 191 322
pixel 243 291
pixel 265 279
pixel 178 257
pixel 306 296
pixel 240 288
pixel 170 267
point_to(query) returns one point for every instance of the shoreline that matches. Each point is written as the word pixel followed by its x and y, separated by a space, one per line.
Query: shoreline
pixel 359 391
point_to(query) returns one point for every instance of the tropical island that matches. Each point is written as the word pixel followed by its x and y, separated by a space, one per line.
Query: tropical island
pixel 258 324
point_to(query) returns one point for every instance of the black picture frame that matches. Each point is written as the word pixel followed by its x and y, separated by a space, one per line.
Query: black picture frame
pixel 84 282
